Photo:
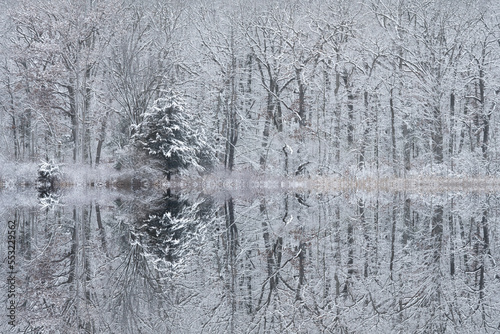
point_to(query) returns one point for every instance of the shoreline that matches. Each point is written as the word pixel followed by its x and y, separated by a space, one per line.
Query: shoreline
pixel 105 176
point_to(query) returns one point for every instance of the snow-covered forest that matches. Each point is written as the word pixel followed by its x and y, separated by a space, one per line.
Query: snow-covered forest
pixel 385 87
pixel 349 154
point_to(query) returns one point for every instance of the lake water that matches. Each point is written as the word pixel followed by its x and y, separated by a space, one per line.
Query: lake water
pixel 97 261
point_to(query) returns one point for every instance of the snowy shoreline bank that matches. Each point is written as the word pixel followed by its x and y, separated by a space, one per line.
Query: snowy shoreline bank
pixel 24 175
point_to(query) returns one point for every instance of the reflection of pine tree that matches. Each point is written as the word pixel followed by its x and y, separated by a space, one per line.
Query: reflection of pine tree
pixel 166 229
pixel 170 133
pixel 173 230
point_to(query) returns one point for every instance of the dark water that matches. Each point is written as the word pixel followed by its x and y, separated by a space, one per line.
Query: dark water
pixel 100 262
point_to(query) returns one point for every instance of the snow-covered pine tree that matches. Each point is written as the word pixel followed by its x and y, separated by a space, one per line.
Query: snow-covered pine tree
pixel 170 133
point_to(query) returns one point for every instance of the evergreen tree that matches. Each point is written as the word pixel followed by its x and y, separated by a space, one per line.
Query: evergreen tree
pixel 170 133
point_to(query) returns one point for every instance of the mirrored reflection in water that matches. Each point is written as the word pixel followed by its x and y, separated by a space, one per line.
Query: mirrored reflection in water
pixel 283 263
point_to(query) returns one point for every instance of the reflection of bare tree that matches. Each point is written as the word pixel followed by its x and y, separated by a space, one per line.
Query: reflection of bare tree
pixel 137 295
pixel 79 308
pixel 231 243
pixel 269 265
pixel 433 284
pixel 157 248
pixel 90 273
pixel 271 280
pixel 484 254
pixel 101 228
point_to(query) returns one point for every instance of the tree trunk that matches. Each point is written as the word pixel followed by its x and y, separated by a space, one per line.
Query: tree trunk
pixel 451 144
pixel 366 132
pixel 73 114
pixel 350 110
pixel 12 114
pixel 437 136
pixel 266 131
pixel 393 134
pixel 100 140
pixel 231 139
pixel 302 94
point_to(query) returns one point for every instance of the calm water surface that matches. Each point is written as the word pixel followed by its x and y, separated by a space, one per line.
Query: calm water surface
pixel 102 262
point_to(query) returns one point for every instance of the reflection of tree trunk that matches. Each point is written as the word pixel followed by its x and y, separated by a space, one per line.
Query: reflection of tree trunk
pixel 71 306
pixel 465 242
pixel 274 254
pixel 361 213
pixel 452 241
pixel 350 243
pixel 100 226
pixel 437 233
pixel 26 231
pixel 393 235
pixel 231 251
pixel 337 254
pixel 472 265
pixel 269 252
pixel 87 318
pixel 483 255
pixel 301 255
pixel 250 268
pixel 406 221
pixel 285 216
pixel 86 217
pixel 436 248
pixel 231 228
pixel 376 241
pixel 73 251
pixel 350 255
